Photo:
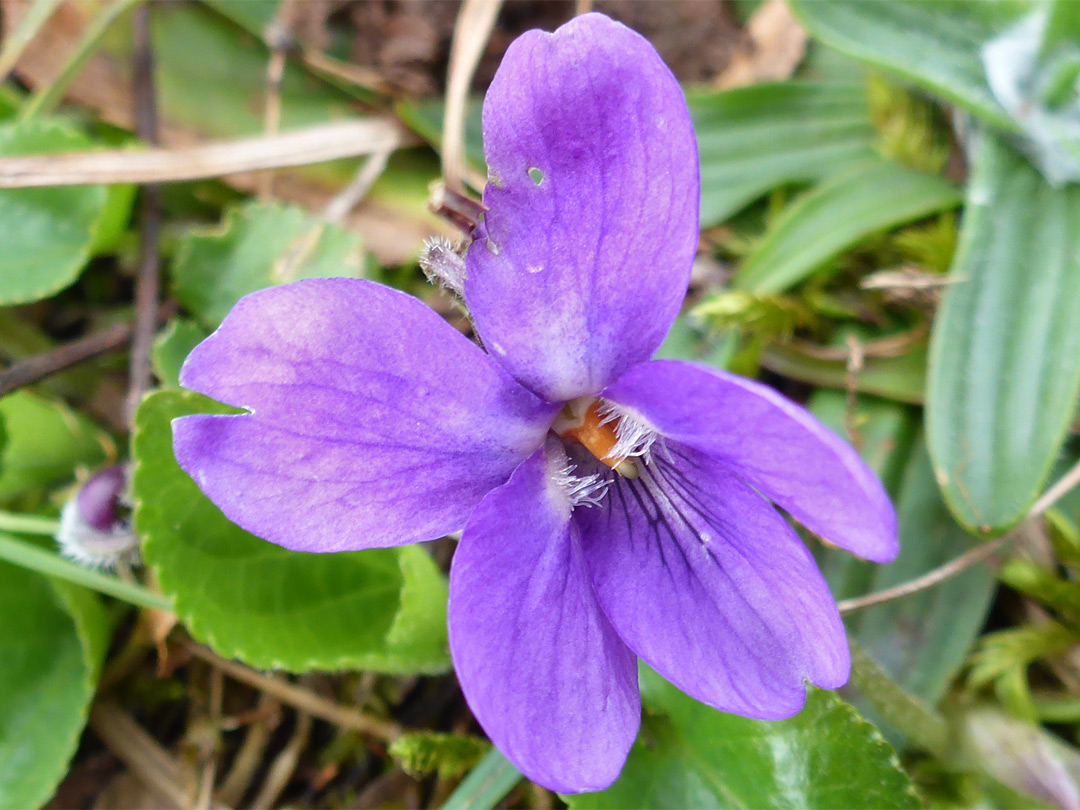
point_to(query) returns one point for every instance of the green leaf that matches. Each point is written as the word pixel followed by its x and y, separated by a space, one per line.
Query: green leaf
pixel 689 755
pixel 47 443
pixel 53 638
pixel 935 45
pixel 753 139
pixel 1005 352
pixel 686 341
pixel 837 215
pixel 949 47
pixel 222 92
pixel 426 117
pixel 383 609
pixel 46 234
pixel 923 639
pixel 259 245
pixel 486 784
pixel 172 347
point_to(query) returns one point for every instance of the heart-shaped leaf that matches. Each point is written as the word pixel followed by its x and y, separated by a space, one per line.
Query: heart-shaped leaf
pixel 689 755
pixel 259 245
pixel 47 235
pixel 383 609
pixel 53 638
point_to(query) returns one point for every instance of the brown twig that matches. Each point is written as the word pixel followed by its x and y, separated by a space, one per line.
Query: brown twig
pixel 927 580
pixel 147 283
pixel 471 34
pixel 856 360
pixel 299 147
pixel 1056 492
pixel 169 778
pixel 40 366
pixel 284 764
pixel 34 369
pixel 303 699
pixel 891 346
pixel 249 756
pixel 353 194
pixel 279 39
pixel 209 763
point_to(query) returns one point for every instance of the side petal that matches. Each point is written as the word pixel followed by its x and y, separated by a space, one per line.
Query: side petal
pixel 578 271
pixel 373 422
pixel 703 580
pixel 544 673
pixel 776 445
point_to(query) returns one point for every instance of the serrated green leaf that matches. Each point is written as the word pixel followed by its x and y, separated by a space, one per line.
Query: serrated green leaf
pixel 172 347
pixel 383 609
pixel 259 245
pixel 46 234
pixel 837 215
pixel 689 755
pixel 1005 352
pixel 753 139
pixel 53 638
pixel 47 443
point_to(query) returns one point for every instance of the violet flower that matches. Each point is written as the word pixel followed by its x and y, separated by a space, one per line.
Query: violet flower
pixel 613 508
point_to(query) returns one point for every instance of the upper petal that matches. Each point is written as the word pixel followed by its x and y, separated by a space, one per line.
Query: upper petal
pixel 544 673
pixel 703 579
pixel 576 278
pixel 783 451
pixel 373 422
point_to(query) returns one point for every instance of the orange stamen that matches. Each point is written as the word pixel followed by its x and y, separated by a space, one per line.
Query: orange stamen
pixel 597 435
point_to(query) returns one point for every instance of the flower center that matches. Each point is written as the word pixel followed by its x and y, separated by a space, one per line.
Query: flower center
pixel 593 425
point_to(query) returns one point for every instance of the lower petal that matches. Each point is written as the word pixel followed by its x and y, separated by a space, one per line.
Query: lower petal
pixel 541 668
pixel 703 580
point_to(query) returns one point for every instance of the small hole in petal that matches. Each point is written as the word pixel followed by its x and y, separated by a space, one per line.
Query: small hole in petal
pixel 536 176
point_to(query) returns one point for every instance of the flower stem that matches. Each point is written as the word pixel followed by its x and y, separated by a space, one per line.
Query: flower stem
pixel 486 784
pixel 28 524
pixel 27 555
pixel 919 723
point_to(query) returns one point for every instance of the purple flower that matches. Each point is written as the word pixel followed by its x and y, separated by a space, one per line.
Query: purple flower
pixel 613 508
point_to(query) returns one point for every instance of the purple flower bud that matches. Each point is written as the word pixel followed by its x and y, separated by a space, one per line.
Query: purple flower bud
pixel 99 497
pixel 92 530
